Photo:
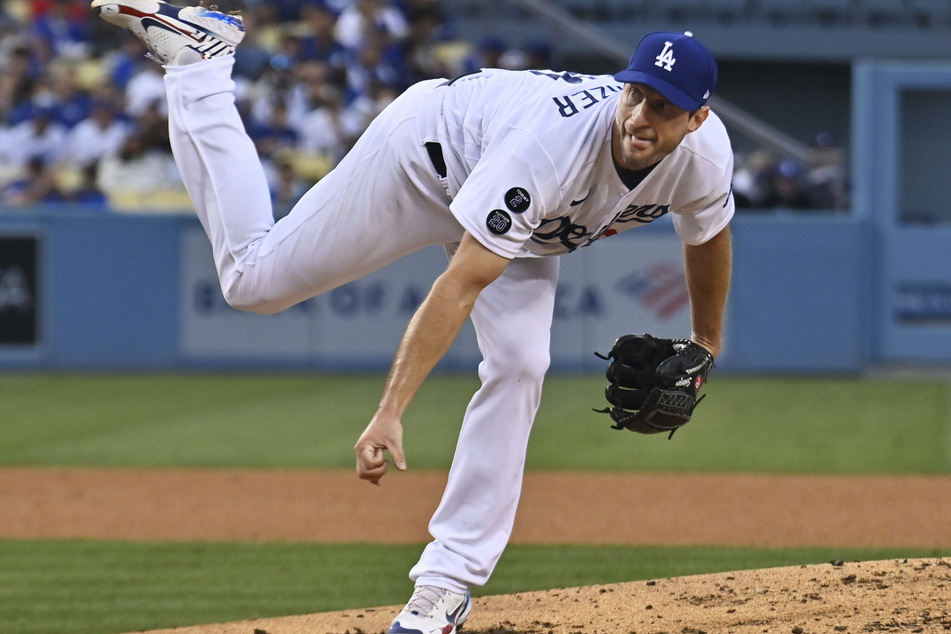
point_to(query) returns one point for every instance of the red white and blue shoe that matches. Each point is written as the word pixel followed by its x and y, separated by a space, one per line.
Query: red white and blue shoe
pixel 433 610
pixel 175 35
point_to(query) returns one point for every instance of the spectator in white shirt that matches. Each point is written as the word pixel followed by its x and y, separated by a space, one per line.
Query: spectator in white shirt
pixel 365 16
pixel 40 136
pixel 101 133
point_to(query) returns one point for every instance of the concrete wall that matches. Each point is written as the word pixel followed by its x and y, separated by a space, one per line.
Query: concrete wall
pixel 112 292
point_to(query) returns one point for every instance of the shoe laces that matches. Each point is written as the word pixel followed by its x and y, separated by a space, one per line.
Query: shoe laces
pixel 424 600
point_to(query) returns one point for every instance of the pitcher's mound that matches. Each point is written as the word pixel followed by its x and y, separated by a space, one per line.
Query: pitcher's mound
pixel 908 595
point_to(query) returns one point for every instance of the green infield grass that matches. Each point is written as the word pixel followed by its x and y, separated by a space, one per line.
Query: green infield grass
pixel 777 425
pixel 95 587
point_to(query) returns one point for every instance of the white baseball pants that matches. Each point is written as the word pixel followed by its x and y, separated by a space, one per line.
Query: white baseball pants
pixel 384 200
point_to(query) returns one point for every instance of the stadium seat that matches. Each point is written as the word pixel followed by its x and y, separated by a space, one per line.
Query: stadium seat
pixel 161 201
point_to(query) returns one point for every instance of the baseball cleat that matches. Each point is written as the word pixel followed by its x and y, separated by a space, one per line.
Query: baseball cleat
pixel 433 610
pixel 175 35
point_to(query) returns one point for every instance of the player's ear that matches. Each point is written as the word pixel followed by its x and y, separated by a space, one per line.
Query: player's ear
pixel 697 117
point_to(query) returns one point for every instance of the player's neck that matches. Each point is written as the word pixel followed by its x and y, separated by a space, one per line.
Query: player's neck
pixel 632 178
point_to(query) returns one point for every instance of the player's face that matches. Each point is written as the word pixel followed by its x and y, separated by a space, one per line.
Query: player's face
pixel 648 127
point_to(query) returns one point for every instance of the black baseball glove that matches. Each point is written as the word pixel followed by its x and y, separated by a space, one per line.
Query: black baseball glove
pixel 653 383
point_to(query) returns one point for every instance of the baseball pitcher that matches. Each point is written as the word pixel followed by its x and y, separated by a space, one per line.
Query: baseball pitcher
pixel 508 170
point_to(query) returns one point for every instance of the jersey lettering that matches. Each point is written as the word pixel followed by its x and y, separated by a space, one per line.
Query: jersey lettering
pixel 571 235
pixel 562 231
pixel 571 78
pixel 642 213
pixel 587 99
pixel 602 232
pixel 567 106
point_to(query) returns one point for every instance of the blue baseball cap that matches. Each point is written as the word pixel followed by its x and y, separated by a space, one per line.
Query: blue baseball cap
pixel 674 64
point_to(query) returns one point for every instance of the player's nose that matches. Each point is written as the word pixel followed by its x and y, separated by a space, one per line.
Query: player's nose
pixel 639 115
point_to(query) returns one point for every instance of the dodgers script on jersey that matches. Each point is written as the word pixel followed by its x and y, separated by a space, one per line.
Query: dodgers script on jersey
pixel 550 185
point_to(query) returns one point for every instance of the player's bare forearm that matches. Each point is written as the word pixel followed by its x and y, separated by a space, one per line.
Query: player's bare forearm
pixel 427 338
pixel 438 320
pixel 709 267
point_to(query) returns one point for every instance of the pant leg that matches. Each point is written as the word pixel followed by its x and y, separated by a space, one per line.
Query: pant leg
pixel 472 525
pixel 382 201
pixel 218 163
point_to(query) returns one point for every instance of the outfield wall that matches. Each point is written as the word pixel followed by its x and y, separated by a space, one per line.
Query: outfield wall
pixel 108 291
pixel 812 292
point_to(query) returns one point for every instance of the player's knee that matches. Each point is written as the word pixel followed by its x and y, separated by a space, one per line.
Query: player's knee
pixel 239 299
pixel 522 364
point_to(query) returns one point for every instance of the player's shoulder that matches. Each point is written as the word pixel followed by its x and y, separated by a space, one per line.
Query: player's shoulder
pixel 710 144
pixel 542 75
pixel 553 83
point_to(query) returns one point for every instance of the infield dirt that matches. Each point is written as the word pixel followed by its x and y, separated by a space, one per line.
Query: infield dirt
pixel 656 509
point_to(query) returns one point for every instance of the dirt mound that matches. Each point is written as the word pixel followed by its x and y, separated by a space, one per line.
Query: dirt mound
pixel 909 595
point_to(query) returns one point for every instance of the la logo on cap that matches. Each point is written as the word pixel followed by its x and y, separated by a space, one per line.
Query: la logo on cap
pixel 666 59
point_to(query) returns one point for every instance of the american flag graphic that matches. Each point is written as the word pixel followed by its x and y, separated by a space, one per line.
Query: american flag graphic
pixel 661 289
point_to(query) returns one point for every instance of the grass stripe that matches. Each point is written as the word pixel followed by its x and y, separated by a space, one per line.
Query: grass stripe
pixel 766 425
pixel 102 587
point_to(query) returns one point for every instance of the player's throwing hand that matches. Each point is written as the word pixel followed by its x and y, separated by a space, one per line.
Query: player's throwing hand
pixel 381 435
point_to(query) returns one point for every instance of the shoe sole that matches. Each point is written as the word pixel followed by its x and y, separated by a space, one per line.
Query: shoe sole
pixel 465 614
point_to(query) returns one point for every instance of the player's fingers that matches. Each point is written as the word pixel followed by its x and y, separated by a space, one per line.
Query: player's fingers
pixel 371 463
pixel 373 476
pixel 396 452
pixel 392 440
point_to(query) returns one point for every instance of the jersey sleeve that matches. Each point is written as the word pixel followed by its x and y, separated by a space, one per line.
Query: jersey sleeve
pixel 508 193
pixel 711 176
pixel 698 227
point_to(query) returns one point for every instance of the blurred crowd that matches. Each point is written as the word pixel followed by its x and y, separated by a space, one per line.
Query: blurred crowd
pixel 762 180
pixel 83 115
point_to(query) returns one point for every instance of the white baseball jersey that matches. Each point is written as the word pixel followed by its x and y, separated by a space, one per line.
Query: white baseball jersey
pixel 531 173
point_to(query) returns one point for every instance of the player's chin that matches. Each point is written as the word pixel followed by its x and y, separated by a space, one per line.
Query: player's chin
pixel 637 158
